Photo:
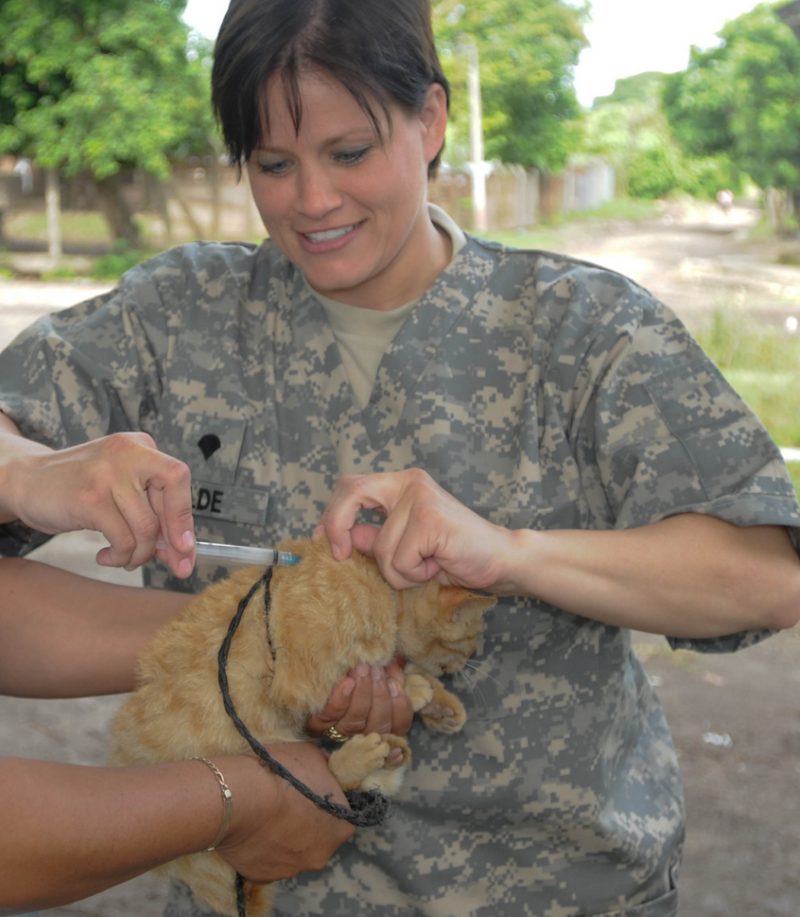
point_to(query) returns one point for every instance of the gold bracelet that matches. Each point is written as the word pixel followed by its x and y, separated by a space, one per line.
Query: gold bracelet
pixel 227 804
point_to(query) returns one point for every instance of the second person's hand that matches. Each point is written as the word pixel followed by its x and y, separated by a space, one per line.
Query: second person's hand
pixel 276 832
pixel 369 700
pixel 119 485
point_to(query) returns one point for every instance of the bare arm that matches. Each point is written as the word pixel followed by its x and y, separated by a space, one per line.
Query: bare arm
pixel 120 485
pixel 687 576
pixel 63 635
pixel 71 831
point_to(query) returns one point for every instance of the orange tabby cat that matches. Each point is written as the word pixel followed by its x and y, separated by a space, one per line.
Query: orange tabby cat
pixel 325 618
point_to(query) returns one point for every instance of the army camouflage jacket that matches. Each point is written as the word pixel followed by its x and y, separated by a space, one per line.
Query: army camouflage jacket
pixel 538 390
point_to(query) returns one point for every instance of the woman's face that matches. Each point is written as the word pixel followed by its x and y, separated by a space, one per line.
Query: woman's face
pixel 349 210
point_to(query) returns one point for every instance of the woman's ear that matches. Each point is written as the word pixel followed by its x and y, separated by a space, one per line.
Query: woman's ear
pixel 433 119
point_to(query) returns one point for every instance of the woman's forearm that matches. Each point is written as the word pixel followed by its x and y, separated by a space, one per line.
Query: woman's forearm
pixel 72 831
pixel 63 635
pixel 687 576
pixel 15 453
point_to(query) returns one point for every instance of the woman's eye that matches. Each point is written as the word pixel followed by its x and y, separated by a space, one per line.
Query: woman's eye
pixel 273 168
pixel 349 157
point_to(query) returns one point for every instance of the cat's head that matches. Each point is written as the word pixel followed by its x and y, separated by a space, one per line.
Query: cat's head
pixel 439 626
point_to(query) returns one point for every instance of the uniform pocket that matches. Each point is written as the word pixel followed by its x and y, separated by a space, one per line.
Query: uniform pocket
pixel 212 446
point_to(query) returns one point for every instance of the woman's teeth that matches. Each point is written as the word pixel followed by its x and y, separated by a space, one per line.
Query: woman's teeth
pixel 330 234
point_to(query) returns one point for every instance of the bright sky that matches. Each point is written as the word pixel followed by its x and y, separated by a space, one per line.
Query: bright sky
pixel 627 36
pixel 632 36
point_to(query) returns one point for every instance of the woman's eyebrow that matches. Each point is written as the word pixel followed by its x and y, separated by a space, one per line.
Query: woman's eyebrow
pixel 358 135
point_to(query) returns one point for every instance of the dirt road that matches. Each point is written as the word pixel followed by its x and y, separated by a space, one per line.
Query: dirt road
pixel 736 719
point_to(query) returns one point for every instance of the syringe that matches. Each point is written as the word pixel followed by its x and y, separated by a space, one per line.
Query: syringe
pixel 240 554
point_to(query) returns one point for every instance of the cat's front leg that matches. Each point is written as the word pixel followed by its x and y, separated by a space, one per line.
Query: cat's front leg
pixel 440 709
pixel 418 687
pixel 371 762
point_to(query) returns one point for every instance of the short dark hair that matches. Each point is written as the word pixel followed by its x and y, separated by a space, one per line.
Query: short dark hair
pixel 380 50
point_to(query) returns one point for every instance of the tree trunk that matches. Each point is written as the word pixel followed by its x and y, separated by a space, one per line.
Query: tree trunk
pixel 53 199
pixel 117 212
pixel 773 208
pixel 795 195
pixel 176 192
pixel 161 192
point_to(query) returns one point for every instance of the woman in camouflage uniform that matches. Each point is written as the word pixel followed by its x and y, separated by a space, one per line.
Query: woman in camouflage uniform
pixel 526 423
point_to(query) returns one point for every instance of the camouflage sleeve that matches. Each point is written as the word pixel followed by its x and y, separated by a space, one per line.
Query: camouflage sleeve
pixel 90 370
pixel 83 373
pixel 667 434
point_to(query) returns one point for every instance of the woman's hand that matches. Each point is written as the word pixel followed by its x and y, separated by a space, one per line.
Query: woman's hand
pixel 276 832
pixel 120 485
pixel 427 532
pixel 368 700
pixel 72 831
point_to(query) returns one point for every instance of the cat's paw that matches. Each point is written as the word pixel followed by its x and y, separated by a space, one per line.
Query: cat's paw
pixel 419 691
pixel 399 752
pixel 389 778
pixel 371 762
pixel 360 756
pixel 444 713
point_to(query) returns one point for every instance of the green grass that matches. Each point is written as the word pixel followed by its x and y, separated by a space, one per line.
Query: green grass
pixel 549 235
pixel 75 226
pixel 536 239
pixel 763 364
pixel 623 208
pixel 736 342
pixel 794 471
pixel 88 229
pixel 121 258
pixel 776 400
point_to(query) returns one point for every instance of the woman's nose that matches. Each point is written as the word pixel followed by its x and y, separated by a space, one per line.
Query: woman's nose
pixel 317 194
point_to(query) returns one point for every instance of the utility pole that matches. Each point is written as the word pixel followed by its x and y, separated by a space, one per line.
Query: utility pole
pixel 476 153
pixel 53 199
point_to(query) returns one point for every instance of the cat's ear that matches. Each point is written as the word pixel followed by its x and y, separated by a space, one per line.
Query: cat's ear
pixel 455 601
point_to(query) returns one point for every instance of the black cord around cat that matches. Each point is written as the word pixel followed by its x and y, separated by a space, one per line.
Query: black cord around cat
pixel 367 809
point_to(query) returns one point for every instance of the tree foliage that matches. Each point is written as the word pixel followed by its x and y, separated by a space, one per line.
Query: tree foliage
pixel 527 50
pixel 100 85
pixel 641 88
pixel 630 130
pixel 742 99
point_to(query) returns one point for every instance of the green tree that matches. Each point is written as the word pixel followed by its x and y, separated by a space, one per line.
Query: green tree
pixel 528 49
pixel 104 86
pixel 630 130
pixel 642 88
pixel 742 100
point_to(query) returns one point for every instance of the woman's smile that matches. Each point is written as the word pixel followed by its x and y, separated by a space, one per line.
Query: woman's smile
pixel 329 240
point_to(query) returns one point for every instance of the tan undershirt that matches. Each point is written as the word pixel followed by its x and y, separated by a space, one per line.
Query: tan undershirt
pixel 363 335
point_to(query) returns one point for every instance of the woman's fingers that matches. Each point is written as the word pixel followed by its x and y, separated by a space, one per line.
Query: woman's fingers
pixel 350 699
pixel 173 507
pixel 352 494
pixel 427 532
pixel 370 699
pixel 122 486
